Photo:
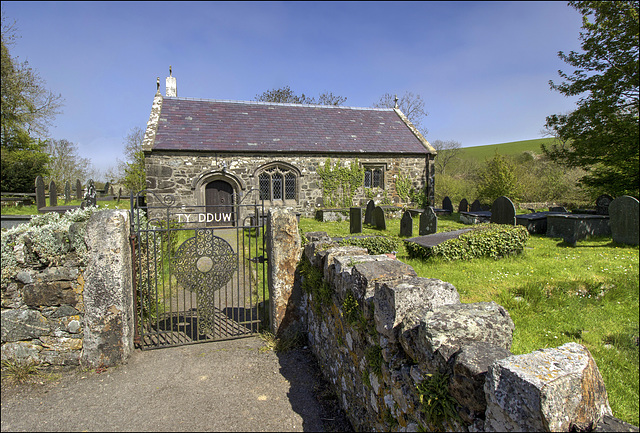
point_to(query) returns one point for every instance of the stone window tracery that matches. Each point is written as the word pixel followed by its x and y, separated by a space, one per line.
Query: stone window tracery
pixel 277 183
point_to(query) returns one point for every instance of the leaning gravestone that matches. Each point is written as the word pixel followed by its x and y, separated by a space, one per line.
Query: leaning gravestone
pixel 40 197
pixel 428 222
pixel 378 218
pixel 355 219
pixel 623 219
pixel 464 205
pixel 503 211
pixel 78 190
pixel 602 204
pixel 476 206
pixel 67 192
pixel 406 225
pixel 53 194
pixel 446 204
pixel 368 213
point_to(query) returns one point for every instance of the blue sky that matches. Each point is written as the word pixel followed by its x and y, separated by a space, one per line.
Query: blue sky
pixel 482 68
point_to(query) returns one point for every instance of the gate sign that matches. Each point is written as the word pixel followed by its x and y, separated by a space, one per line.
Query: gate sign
pixel 205 217
pixel 204 264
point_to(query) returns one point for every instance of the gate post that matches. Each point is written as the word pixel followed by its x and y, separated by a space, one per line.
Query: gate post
pixel 284 248
pixel 107 293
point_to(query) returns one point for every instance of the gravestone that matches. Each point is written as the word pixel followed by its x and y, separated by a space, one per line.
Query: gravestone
pixel 111 190
pixel 428 222
pixel 623 218
pixel 446 204
pixel 67 192
pixel 90 197
pixel 602 204
pixel 40 197
pixel 53 194
pixel 476 206
pixel 368 213
pixel 119 194
pixel 378 218
pixel 406 225
pixel 106 188
pixel 464 205
pixel 558 209
pixel 355 219
pixel 503 211
pixel 78 190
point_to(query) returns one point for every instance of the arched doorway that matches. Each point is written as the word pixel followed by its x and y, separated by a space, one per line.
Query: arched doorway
pixel 219 201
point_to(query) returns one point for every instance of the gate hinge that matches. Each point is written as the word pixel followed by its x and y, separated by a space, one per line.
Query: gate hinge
pixel 259 259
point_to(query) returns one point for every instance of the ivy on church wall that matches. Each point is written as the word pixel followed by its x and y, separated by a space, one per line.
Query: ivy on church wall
pixel 340 182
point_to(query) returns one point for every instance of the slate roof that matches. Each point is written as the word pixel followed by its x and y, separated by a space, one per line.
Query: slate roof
pixel 232 126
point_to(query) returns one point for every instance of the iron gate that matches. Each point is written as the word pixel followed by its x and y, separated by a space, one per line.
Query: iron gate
pixel 199 271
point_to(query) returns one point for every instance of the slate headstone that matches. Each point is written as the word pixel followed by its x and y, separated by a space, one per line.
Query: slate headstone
pixel 406 225
pixel 368 213
pixel 378 218
pixel 464 205
pixel 624 220
pixel 558 209
pixel 67 192
pixel 111 190
pixel 40 197
pixel 428 222
pixel 78 190
pixel 355 219
pixel 119 194
pixel 106 188
pixel 446 204
pixel 476 206
pixel 602 204
pixel 53 194
pixel 503 211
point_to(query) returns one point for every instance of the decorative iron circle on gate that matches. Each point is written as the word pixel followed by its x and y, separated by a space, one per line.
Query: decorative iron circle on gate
pixel 204 264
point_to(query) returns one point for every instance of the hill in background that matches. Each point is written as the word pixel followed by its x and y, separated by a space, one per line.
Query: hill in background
pixel 479 153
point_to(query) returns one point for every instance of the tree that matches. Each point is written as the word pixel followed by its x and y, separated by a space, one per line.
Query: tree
pixel 411 106
pixel 601 134
pixel 65 164
pixel 133 172
pixel 498 178
pixel 447 151
pixel 285 95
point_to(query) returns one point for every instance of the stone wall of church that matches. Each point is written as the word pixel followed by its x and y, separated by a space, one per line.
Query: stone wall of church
pixel 185 175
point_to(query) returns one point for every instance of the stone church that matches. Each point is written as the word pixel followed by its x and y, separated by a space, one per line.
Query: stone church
pixel 209 152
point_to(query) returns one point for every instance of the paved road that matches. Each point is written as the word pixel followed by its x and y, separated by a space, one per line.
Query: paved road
pixel 220 386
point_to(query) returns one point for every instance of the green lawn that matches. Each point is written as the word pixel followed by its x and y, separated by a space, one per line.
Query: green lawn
pixel 555 294
pixel 33 210
pixel 480 153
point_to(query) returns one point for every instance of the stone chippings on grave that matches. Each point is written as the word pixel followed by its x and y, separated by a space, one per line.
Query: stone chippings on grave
pixel 368 214
pixel 40 196
pixel 602 204
pixel 355 220
pixel 53 194
pixel 624 220
pixel 378 218
pixel 406 225
pixel 475 206
pixel 447 205
pixel 503 211
pixel 463 206
pixel 428 222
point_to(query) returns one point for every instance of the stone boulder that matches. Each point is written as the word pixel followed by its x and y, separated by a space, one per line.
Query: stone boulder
pixel 546 390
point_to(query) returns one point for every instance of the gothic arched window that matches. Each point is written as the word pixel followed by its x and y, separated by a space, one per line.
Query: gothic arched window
pixel 277 183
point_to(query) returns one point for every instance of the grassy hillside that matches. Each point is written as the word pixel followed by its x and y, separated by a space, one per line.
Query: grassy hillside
pixel 480 153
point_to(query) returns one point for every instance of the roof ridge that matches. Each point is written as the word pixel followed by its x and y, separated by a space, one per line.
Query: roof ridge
pixel 281 104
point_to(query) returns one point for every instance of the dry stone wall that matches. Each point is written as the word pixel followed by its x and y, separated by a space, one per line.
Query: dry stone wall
pixel 391 342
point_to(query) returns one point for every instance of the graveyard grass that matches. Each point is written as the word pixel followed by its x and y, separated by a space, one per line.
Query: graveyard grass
pixel 554 293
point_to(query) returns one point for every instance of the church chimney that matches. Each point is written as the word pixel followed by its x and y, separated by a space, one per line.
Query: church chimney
pixel 172 88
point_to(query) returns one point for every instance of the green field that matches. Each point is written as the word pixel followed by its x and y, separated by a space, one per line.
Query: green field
pixel 480 153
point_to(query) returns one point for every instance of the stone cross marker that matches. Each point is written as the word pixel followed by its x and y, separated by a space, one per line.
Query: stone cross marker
pixel 406 225
pixel 503 211
pixel 78 190
pixel 53 194
pixel 464 205
pixel 476 206
pixel 602 204
pixel 40 197
pixel 368 214
pixel 355 220
pixel 624 220
pixel 67 192
pixel 446 204
pixel 378 218
pixel 428 222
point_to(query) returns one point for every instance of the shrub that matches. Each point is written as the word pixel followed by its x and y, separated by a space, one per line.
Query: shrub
pixel 375 244
pixel 488 240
